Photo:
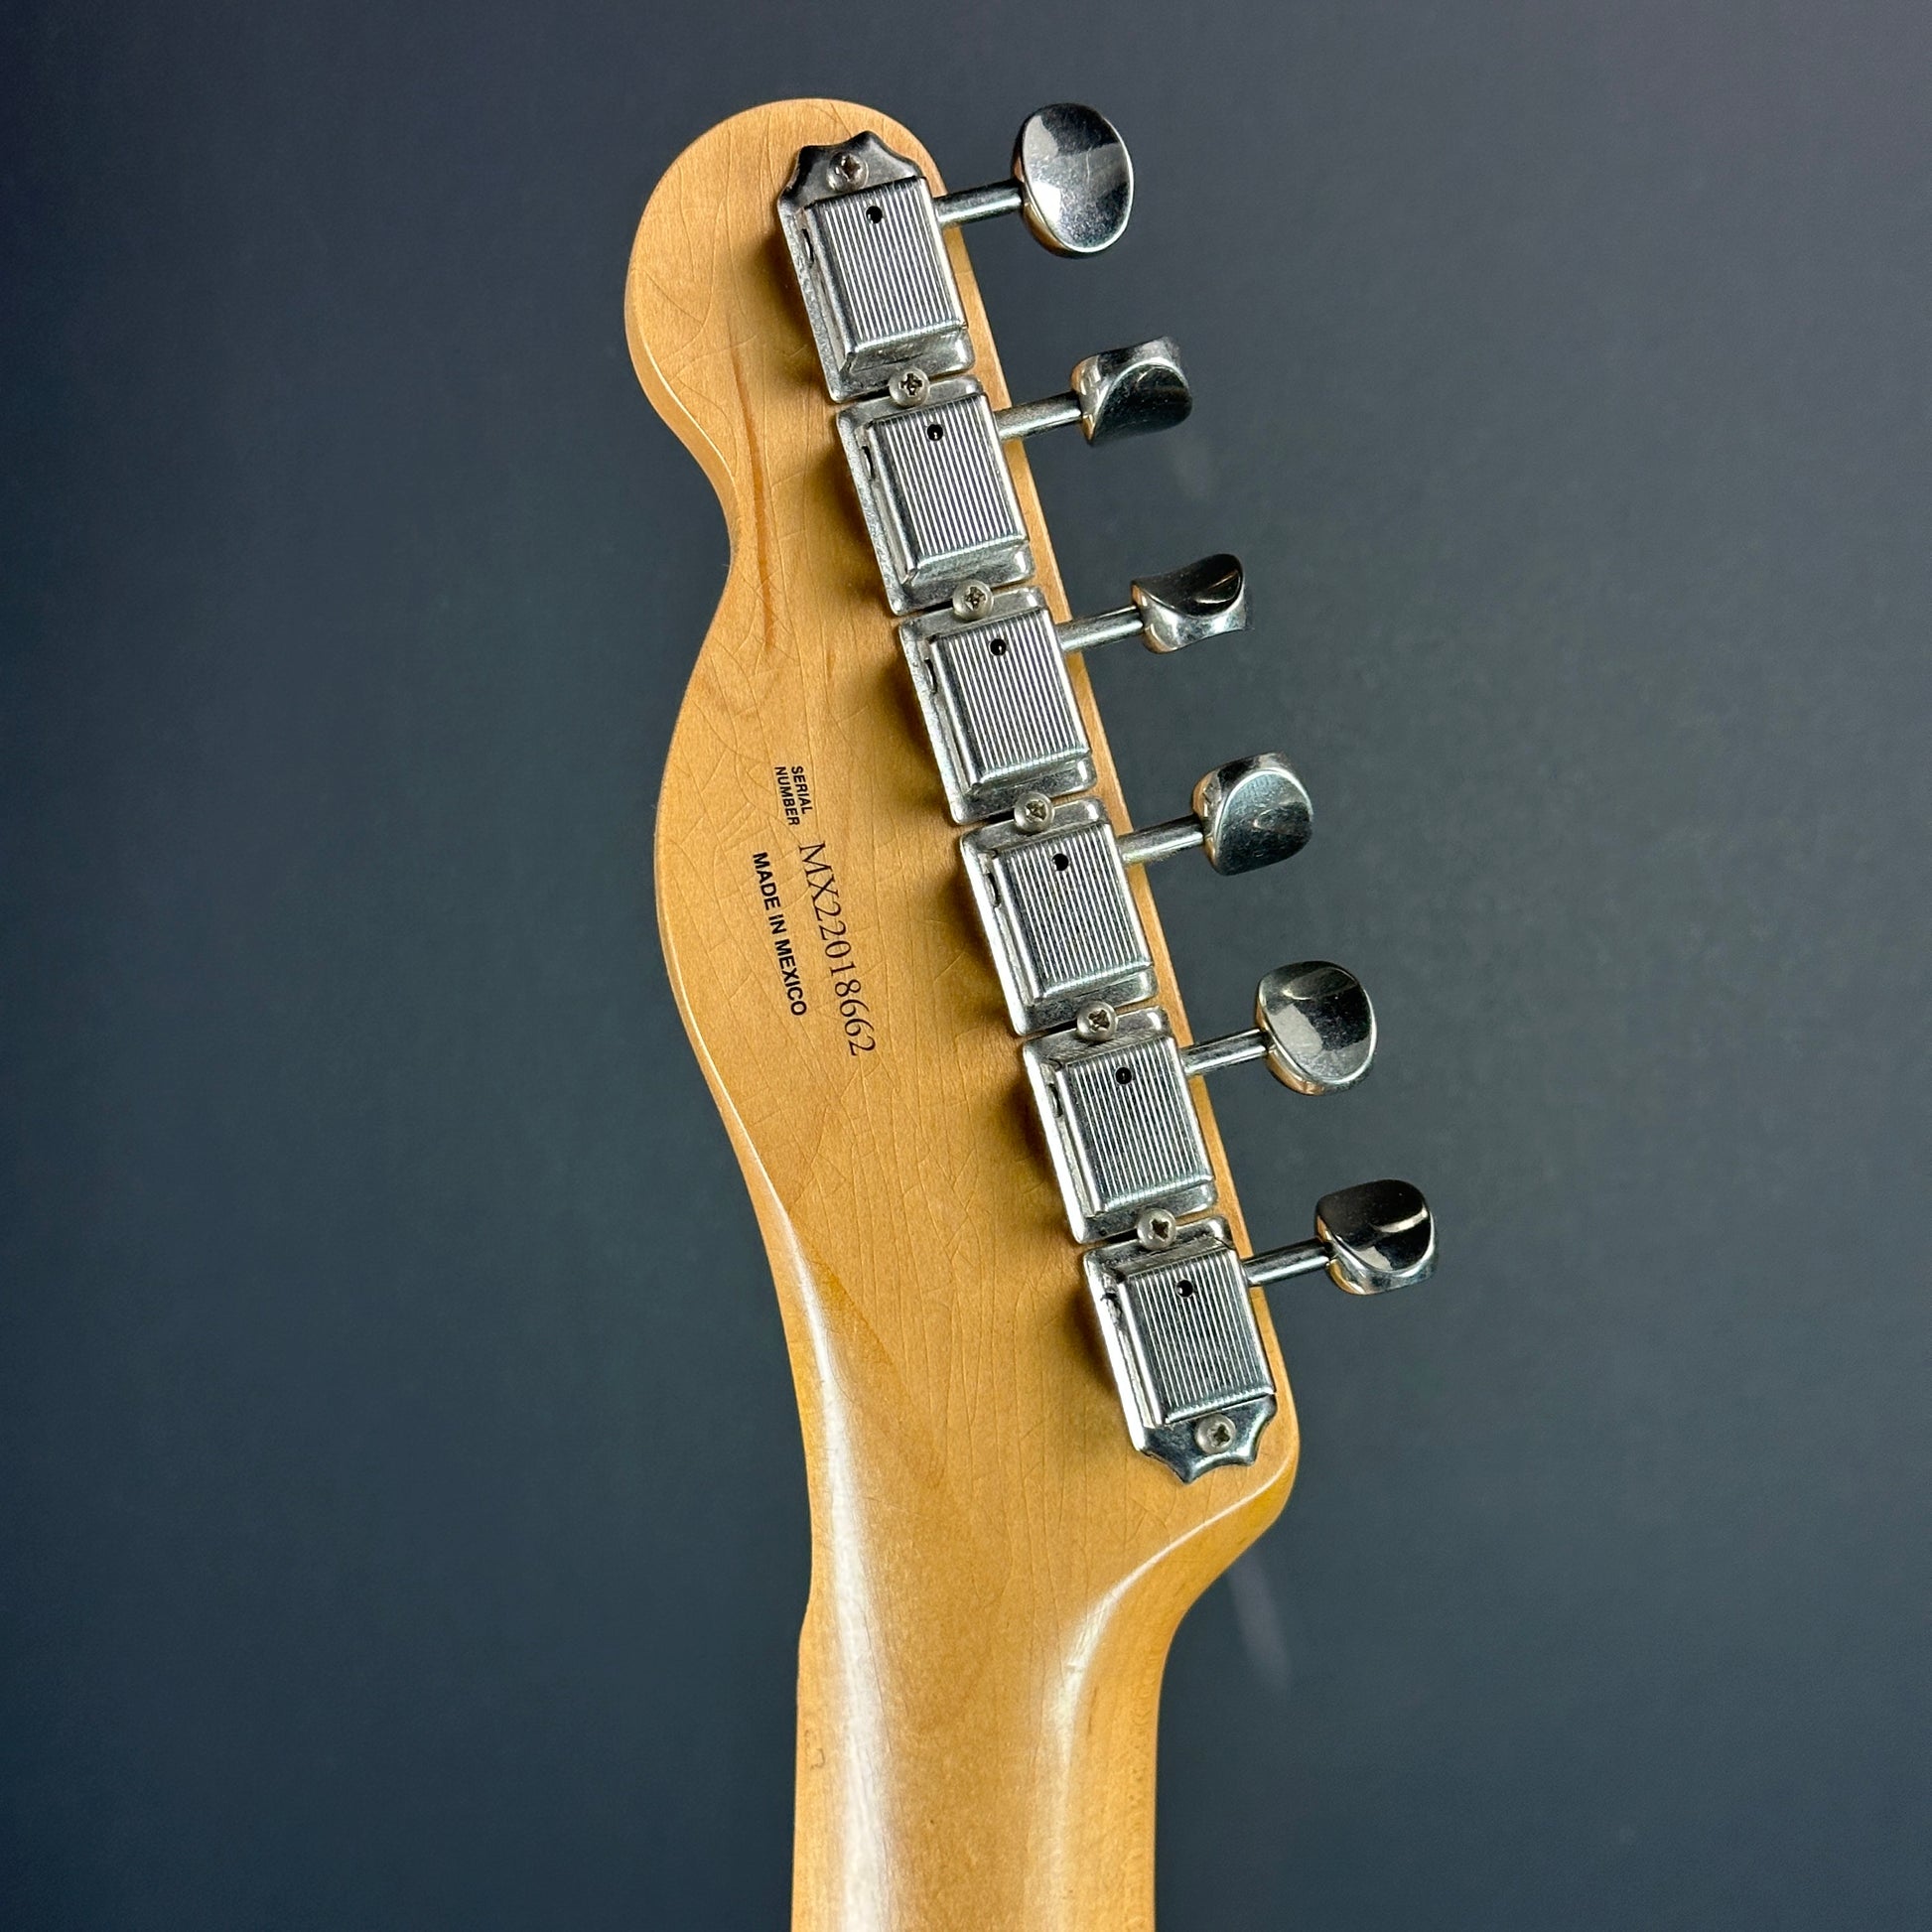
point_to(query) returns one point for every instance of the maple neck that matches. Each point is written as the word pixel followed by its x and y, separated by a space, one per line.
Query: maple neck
pixel 995 1576
pixel 969 1757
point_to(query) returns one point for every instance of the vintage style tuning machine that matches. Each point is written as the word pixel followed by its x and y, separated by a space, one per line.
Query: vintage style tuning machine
pixel 933 485
pixel 1179 1323
pixel 1112 1091
pixel 863 227
pixel 1051 884
pixel 990 673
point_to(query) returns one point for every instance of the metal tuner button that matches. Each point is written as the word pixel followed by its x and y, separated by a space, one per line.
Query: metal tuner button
pixel 1314 1026
pixel 1071 180
pixel 1119 392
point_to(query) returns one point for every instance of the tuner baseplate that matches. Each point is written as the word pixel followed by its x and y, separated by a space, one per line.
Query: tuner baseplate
pixel 878 289
pixel 936 493
pixel 1121 1126
pixel 997 705
pixel 1179 1327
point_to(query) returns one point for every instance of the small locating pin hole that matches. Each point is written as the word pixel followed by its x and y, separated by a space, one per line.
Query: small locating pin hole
pixel 1125 1075
pixel 998 646
pixel 934 430
pixel 873 212
pixel 1061 863
pixel 1185 1290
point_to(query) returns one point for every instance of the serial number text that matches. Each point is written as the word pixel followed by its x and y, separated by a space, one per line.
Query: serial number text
pixel 828 914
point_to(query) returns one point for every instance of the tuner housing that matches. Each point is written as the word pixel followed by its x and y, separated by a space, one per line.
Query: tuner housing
pixel 1120 1123
pixel 1180 1329
pixel 997 705
pixel 872 267
pixel 936 493
pixel 1059 916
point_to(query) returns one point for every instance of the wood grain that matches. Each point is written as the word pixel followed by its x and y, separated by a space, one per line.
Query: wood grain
pixel 995 1576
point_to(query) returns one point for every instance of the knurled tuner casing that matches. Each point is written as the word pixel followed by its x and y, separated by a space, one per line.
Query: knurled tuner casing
pixel 872 267
pixel 997 705
pixel 1180 1329
pixel 1120 1123
pixel 935 493
pixel 1060 918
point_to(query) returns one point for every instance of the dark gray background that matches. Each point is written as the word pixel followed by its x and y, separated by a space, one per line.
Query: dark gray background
pixel 1563 375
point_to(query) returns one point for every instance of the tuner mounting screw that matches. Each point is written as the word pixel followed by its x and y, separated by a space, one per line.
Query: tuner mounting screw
pixel 1033 812
pixel 1096 1022
pixel 850 169
pixel 1213 1434
pixel 971 598
pixel 1155 1228
pixel 909 386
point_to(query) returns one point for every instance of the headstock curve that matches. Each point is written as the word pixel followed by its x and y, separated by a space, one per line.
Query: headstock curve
pixel 797 672
pixel 978 1520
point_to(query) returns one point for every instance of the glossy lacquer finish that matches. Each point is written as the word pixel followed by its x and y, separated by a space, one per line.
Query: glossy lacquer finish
pixel 996 1573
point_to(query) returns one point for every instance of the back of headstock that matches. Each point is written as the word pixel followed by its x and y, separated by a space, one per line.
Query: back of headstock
pixel 996 1573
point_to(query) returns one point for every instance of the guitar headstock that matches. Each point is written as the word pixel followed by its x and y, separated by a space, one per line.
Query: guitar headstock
pixel 906 922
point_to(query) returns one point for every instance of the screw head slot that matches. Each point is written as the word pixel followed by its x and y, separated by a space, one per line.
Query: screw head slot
pixel 1032 813
pixel 910 387
pixel 1213 1434
pixel 1157 1229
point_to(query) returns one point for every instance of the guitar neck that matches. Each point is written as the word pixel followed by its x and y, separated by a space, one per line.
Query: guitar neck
pixel 995 1583
pixel 967 1757
pixel 912 942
